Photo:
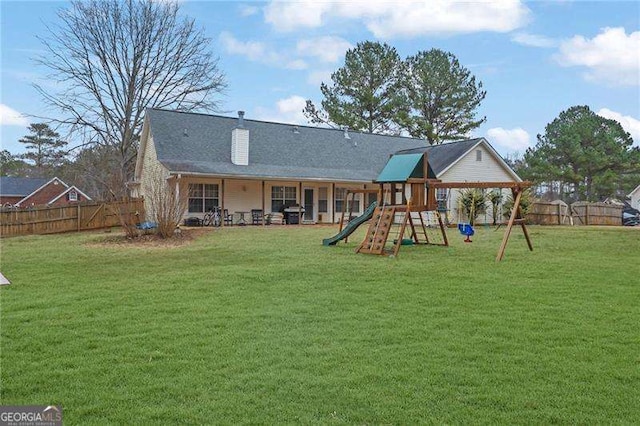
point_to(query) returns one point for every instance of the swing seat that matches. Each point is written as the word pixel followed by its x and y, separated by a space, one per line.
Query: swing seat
pixel 466 229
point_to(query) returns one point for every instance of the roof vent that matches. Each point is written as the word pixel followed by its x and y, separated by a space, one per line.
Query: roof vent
pixel 346 132
pixel 296 130
pixel 184 132
pixel 240 119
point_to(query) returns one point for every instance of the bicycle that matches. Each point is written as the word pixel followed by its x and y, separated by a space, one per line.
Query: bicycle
pixel 212 218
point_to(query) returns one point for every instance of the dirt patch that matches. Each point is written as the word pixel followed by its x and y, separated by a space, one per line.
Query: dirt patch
pixel 181 239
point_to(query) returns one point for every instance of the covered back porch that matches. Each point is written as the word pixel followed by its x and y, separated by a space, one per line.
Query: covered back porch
pixel 239 199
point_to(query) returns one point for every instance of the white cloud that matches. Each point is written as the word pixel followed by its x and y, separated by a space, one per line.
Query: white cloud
pixel 612 56
pixel 315 78
pixel 511 139
pixel 630 124
pixel 327 49
pixel 11 117
pixel 247 10
pixel 258 51
pixel 289 16
pixel 288 110
pixel 534 40
pixel 296 64
pixel 389 19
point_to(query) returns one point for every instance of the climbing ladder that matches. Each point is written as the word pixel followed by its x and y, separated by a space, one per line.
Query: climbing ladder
pixel 378 231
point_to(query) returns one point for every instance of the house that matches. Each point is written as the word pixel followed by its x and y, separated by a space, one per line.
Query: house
pixel 29 192
pixel 240 164
pixel 635 198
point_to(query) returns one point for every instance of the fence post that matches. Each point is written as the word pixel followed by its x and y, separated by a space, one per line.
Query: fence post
pixel 586 214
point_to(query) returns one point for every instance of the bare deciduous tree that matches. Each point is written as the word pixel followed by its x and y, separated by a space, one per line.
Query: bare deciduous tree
pixel 112 59
pixel 166 204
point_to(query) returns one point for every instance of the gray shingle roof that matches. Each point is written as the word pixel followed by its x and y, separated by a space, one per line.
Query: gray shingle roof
pixel 17 186
pixel 201 143
pixel 442 156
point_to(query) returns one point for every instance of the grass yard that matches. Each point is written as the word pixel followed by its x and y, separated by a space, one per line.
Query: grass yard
pixel 265 325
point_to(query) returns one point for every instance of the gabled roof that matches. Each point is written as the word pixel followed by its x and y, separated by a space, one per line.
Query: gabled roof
pixel 201 144
pixel 444 156
pixel 26 197
pixel 18 186
pixel 191 143
pixel 637 189
pixel 69 189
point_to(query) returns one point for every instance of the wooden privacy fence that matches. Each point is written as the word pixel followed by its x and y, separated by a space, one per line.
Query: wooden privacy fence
pixel 551 213
pixel 596 214
pixel 81 217
pixel 579 213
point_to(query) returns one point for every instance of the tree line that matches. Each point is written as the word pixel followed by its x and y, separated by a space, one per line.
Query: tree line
pixel 582 157
pixel 429 95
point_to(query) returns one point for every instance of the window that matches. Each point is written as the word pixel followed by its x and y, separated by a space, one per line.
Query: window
pixel 73 195
pixel 323 199
pixel 282 197
pixel 441 198
pixel 371 197
pixel 340 196
pixel 202 197
pixel 478 155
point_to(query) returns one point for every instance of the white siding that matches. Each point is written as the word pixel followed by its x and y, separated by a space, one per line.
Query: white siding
pixel 153 175
pixel 635 198
pixel 240 147
pixel 242 195
pixel 469 169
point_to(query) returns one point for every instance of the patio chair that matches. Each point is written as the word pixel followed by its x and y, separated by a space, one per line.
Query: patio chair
pixel 228 218
pixel 256 216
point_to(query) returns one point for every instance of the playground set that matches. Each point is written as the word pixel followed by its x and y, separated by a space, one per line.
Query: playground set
pixel 394 215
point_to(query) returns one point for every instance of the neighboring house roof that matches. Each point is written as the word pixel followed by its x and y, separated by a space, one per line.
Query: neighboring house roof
pixel 35 191
pixel 191 143
pixel 201 144
pixel 636 190
pixel 71 188
pixel 18 186
pixel 28 187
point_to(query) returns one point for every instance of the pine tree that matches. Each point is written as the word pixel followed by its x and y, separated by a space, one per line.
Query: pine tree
pixel 442 97
pixel 365 94
pixel 590 156
pixel 44 148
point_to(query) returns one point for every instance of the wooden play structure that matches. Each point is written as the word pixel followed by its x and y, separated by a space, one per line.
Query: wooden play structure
pixel 417 216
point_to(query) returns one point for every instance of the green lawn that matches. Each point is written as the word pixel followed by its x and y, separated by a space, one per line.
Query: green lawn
pixel 265 325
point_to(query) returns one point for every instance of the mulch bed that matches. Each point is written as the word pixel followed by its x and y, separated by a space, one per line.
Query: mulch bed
pixel 152 240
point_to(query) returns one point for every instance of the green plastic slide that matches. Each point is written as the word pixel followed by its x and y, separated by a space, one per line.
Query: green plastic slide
pixel 351 226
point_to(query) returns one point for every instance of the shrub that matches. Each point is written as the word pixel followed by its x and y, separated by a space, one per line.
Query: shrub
pixel 471 203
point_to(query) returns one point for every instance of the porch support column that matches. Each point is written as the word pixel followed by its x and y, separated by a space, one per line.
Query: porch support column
pixel 332 199
pixel 178 188
pixel 263 211
pixel 222 202
pixel 300 205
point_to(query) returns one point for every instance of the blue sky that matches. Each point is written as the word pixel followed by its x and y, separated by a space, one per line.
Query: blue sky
pixel 535 59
